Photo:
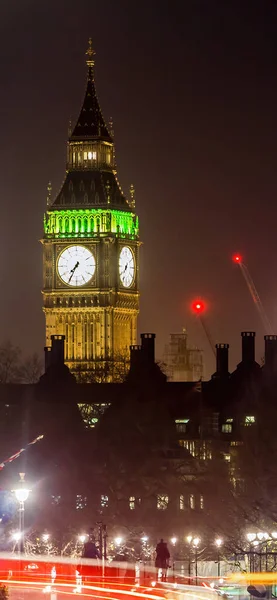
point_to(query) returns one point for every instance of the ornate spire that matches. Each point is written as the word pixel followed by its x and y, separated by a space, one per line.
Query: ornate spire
pixel 133 197
pixel 90 54
pixel 91 123
pixel 49 192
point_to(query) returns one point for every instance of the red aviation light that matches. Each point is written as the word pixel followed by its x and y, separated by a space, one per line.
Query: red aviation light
pixel 198 306
pixel 237 258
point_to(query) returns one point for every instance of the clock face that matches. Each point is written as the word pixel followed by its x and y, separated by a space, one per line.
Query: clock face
pixel 126 267
pixel 76 265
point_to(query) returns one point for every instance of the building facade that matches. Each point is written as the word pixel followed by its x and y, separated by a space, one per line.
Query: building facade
pixel 182 362
pixel 91 247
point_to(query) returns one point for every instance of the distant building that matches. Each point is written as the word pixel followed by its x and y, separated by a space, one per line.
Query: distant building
pixel 183 363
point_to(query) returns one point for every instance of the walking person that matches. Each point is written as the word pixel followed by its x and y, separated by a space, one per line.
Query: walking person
pixel 162 559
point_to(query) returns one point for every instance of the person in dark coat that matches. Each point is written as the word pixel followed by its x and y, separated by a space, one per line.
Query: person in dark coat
pixel 90 550
pixel 162 559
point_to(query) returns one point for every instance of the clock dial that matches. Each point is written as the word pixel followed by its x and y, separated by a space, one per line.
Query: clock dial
pixel 126 267
pixel 76 265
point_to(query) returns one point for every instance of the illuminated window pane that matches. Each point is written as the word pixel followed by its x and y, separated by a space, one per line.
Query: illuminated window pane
pixel 104 501
pixel 85 155
pixel 249 420
pixel 181 425
pixel 162 502
pixel 227 428
pixel 192 501
pixel 201 501
pixel 90 155
pixel 182 502
pixel 132 502
pixel 227 457
pixel 81 502
pixel 56 500
pixel 190 445
pixel 94 155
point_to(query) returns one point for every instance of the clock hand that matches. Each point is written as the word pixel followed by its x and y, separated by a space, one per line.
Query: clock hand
pixel 73 271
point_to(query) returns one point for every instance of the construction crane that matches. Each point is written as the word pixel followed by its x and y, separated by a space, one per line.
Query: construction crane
pixel 237 259
pixel 199 307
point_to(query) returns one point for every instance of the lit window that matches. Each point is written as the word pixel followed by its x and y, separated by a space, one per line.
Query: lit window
pixel 227 428
pixel 235 443
pixel 90 155
pixel 182 502
pixel 132 501
pixel 192 501
pixel 104 501
pixel 85 155
pixel 249 420
pixel 81 502
pixel 94 155
pixel 190 446
pixel 227 457
pixel 201 501
pixel 162 502
pixel 205 452
pixel 181 425
pixel 56 500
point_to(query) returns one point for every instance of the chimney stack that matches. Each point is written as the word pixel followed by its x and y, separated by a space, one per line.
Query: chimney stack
pixel 222 351
pixel 248 346
pixel 47 357
pixel 135 356
pixel 270 350
pixel 57 351
pixel 148 347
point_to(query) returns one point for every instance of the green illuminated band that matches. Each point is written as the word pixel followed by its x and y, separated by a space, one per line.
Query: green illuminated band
pixel 89 223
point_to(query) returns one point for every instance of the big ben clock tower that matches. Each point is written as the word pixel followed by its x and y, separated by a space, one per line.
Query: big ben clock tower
pixel 91 243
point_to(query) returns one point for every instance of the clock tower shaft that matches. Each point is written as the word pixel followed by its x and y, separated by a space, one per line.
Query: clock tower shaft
pixel 91 249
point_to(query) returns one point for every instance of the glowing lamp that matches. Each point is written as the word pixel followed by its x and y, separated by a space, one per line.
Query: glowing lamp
pixel 189 538
pixel 251 537
pixel 196 542
pixel 16 536
pixel 45 537
pixel 118 541
pixel 237 258
pixel 198 307
pixel 144 538
pixel 218 542
pixel 82 538
pixel 173 541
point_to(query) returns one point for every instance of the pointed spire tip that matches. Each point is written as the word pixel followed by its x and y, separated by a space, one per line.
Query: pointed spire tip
pixel 90 54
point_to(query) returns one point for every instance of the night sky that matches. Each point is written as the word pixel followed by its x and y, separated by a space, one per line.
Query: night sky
pixel 191 86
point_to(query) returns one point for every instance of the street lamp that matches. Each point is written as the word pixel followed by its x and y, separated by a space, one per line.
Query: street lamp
pixel 45 537
pixel 82 538
pixel 196 542
pixel 173 541
pixel 189 540
pixel 218 543
pixel 118 541
pixel 21 494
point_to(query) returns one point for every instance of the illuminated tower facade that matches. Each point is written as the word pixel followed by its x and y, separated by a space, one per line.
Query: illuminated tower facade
pixel 90 247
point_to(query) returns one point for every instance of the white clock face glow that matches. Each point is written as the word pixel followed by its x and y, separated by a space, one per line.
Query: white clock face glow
pixel 126 267
pixel 76 265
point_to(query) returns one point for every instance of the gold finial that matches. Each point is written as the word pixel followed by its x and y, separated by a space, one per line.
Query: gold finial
pixel 49 192
pixel 69 128
pixel 132 194
pixel 90 54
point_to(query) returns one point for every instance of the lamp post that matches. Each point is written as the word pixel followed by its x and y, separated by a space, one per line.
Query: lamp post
pixel 173 542
pixel 189 540
pixel 196 542
pixel 21 494
pixel 218 543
